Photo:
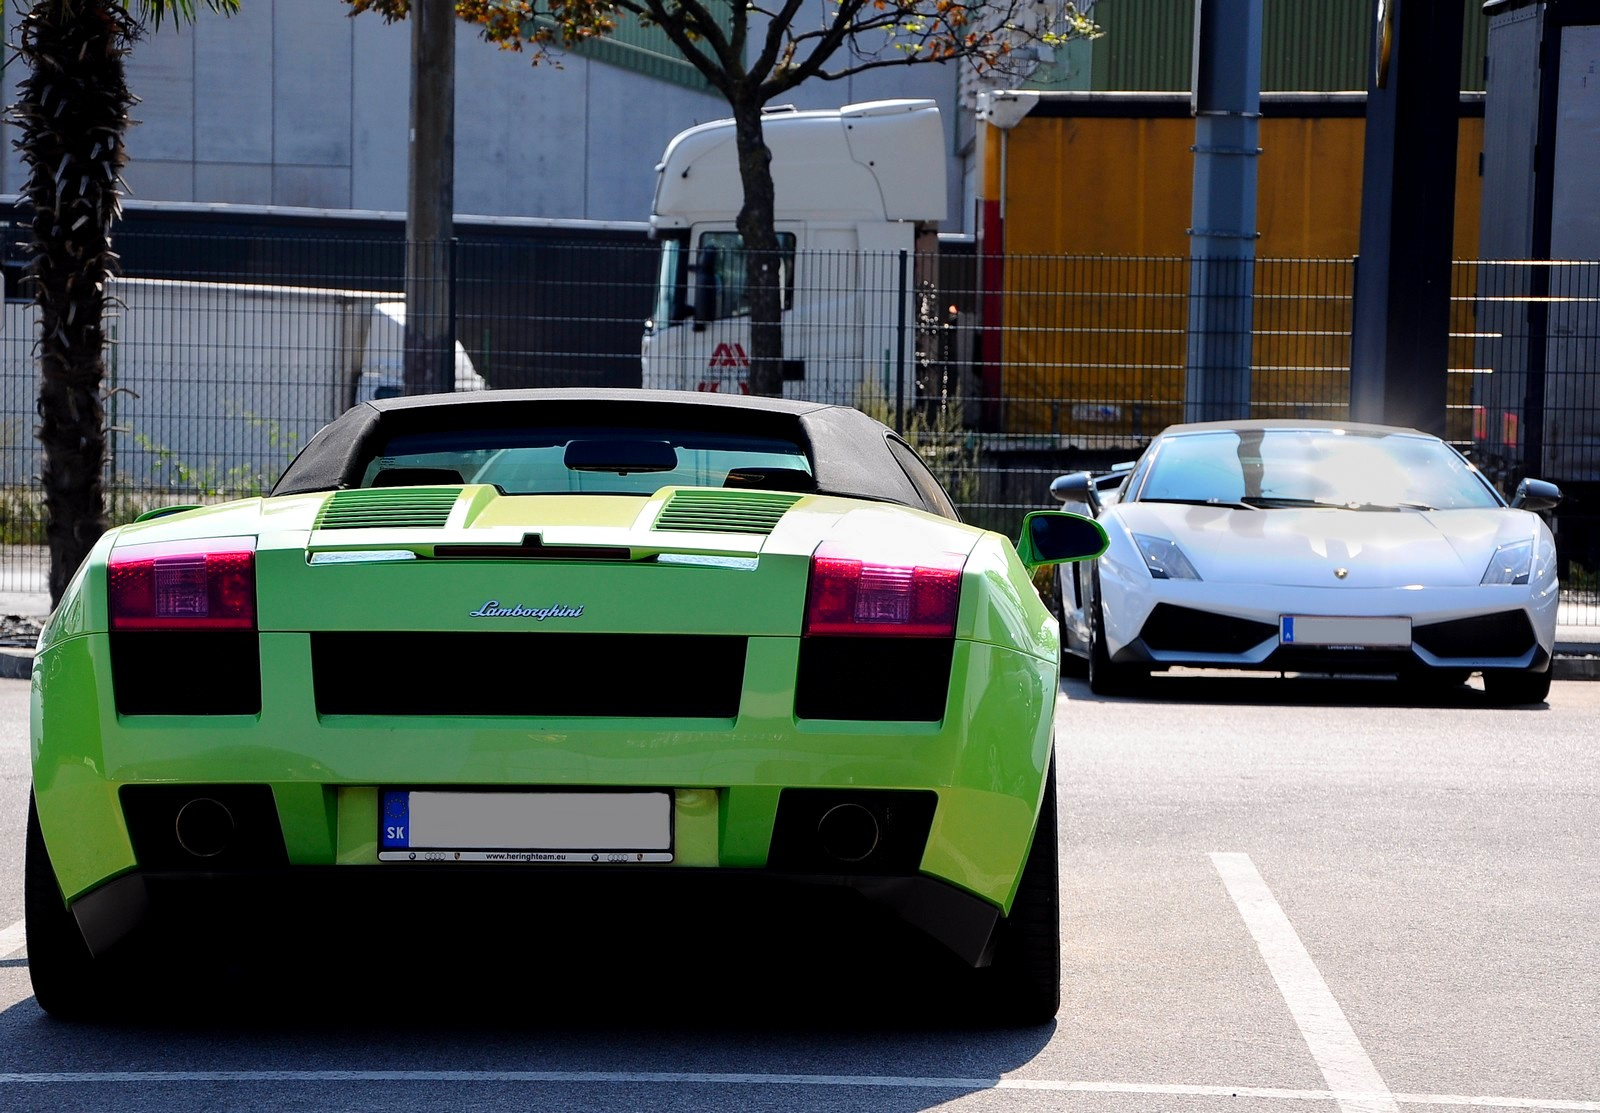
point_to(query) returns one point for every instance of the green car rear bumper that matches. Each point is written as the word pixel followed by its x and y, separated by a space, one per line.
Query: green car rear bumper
pixel 954 800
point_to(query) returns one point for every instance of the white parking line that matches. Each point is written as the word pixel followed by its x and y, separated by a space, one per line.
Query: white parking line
pixel 13 939
pixel 905 1082
pixel 1339 1055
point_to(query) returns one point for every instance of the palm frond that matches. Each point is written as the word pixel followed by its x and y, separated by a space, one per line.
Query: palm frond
pixel 154 12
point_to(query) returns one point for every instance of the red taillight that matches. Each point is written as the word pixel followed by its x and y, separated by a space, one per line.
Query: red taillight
pixel 849 594
pixel 183 585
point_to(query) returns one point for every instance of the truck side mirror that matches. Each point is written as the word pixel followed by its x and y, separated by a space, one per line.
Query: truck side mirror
pixel 705 288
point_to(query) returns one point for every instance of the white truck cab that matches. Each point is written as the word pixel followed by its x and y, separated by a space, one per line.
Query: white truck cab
pixel 855 186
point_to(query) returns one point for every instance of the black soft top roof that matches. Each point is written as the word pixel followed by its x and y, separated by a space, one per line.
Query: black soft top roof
pixel 848 450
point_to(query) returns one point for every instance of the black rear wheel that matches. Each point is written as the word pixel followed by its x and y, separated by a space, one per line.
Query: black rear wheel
pixel 1023 982
pixel 66 978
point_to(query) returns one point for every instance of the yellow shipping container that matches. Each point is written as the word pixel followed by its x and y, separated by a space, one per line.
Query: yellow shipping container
pixel 1089 198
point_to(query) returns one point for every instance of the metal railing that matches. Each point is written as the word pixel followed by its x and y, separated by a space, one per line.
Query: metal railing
pixel 230 352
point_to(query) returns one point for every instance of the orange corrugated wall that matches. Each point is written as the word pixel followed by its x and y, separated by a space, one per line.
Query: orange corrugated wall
pixel 1107 357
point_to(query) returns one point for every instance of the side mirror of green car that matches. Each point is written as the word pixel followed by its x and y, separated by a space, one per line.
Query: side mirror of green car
pixel 1055 537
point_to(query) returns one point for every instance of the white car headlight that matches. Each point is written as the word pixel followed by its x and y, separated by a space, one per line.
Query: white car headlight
pixel 1164 559
pixel 1511 564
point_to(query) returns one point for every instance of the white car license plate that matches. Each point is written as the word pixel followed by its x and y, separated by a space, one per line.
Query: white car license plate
pixel 580 827
pixel 1345 632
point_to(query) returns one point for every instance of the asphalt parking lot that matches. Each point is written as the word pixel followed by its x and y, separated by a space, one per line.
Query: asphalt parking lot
pixel 1277 896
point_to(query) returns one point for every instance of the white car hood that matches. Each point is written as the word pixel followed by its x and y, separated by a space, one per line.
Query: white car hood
pixel 1305 548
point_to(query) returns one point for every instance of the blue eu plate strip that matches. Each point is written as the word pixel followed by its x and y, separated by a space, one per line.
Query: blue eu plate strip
pixel 395 830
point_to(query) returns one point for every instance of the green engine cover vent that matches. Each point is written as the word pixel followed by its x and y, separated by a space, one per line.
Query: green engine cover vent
pixel 724 511
pixel 377 508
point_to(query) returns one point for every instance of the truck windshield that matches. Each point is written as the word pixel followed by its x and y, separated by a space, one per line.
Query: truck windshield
pixel 672 303
pixel 720 274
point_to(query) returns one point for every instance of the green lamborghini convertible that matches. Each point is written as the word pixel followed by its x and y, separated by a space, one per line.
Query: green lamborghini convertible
pixel 543 644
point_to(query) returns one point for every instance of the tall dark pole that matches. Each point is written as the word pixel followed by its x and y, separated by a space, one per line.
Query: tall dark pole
pixel 430 199
pixel 1399 353
pixel 1226 100
pixel 1542 239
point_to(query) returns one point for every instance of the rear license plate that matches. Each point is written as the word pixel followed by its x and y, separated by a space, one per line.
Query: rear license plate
pixel 580 827
pixel 1345 633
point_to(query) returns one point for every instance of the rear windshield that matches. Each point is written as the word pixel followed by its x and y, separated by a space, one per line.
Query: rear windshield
pixel 590 460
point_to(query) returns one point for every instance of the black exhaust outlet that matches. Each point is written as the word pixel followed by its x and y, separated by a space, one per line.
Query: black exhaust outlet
pixel 848 833
pixel 857 831
pixel 204 827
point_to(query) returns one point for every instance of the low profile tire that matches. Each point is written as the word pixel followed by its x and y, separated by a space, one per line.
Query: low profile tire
pixel 1106 678
pixel 65 975
pixel 1023 982
pixel 1510 687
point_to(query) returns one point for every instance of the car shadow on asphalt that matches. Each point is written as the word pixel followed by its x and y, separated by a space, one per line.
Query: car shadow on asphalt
pixel 459 977
pixel 1294 690
pixel 575 1020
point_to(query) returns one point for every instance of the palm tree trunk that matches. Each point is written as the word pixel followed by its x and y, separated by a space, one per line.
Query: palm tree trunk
pixel 73 114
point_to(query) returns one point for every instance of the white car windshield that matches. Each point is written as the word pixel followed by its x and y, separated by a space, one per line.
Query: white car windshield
pixel 1268 468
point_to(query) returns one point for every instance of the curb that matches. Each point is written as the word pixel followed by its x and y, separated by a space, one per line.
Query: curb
pixel 16 664
pixel 1586 667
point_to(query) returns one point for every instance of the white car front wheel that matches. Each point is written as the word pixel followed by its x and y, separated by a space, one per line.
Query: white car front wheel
pixel 1510 687
pixel 1106 677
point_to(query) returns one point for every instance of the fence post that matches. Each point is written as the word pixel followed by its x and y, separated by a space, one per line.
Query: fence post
pixel 449 375
pixel 1538 325
pixel 900 354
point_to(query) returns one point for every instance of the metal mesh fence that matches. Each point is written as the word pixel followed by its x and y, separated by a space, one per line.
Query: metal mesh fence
pixel 230 352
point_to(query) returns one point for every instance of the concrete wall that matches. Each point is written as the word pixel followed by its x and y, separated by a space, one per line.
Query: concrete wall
pixel 291 102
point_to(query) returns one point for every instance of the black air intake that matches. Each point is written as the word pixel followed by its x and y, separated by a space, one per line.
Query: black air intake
pixel 1186 630
pixel 893 679
pixel 1507 634
pixel 657 675
pixel 198 672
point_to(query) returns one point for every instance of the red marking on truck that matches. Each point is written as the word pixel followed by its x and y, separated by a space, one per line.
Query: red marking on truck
pixel 729 355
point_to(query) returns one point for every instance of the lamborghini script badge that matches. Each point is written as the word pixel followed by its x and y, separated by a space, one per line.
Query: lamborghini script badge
pixel 495 609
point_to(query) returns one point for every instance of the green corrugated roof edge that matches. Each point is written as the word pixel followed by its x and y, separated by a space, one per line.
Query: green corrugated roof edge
pixel 644 50
pixel 1307 46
